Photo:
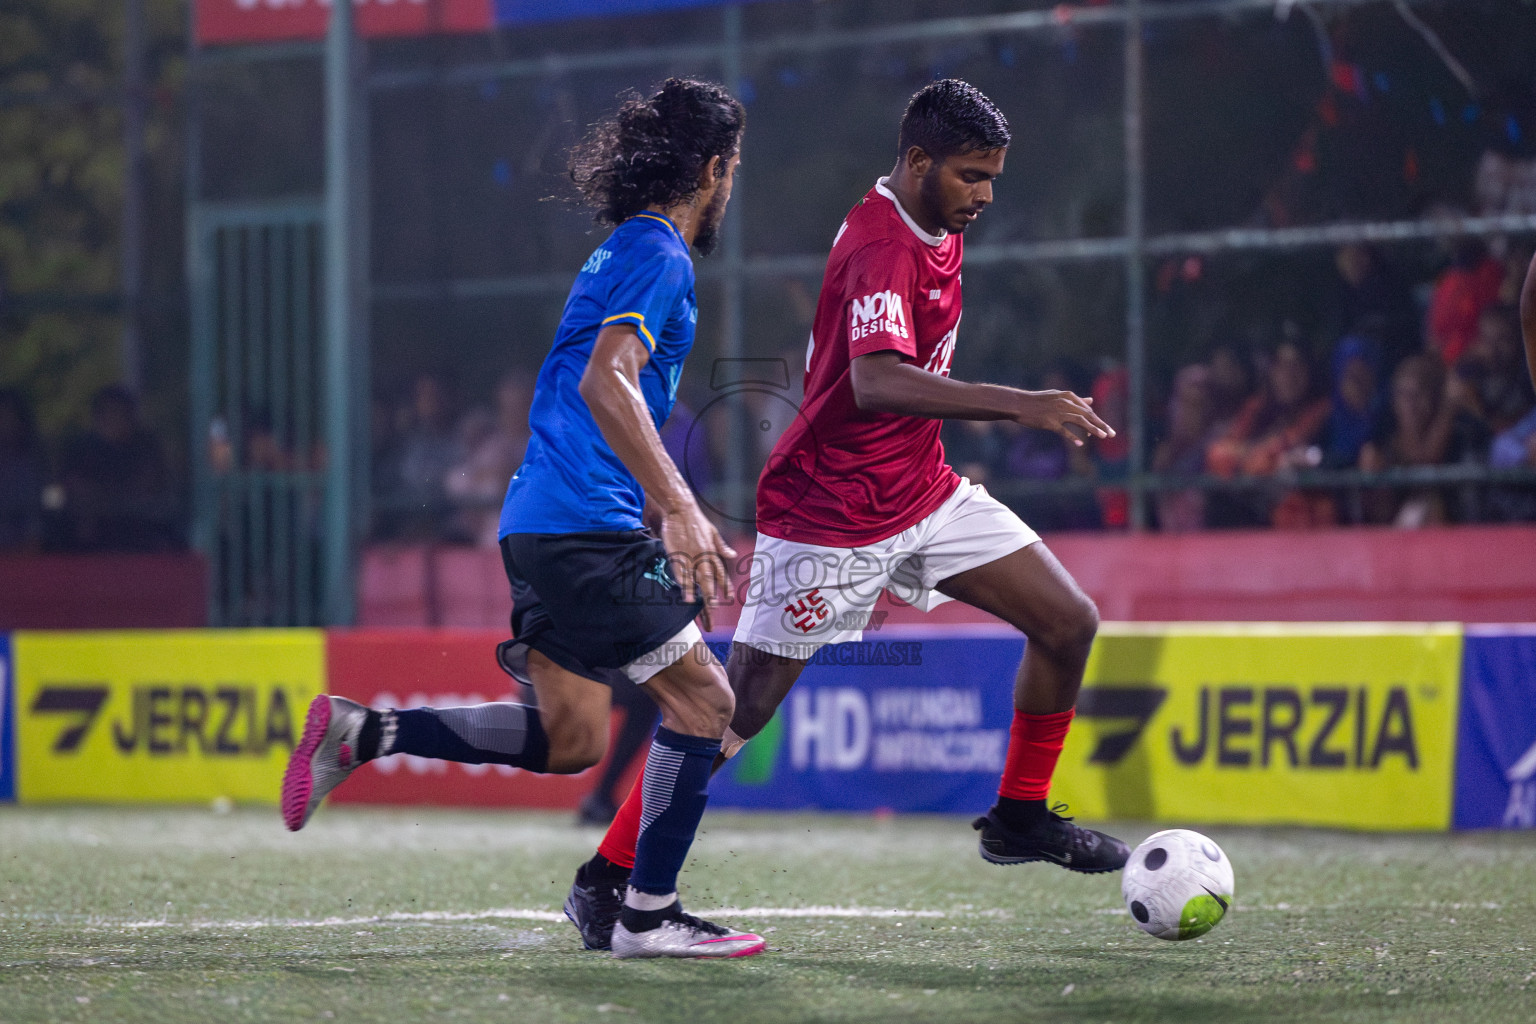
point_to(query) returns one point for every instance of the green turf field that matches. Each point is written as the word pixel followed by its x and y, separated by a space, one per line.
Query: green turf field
pixel 188 915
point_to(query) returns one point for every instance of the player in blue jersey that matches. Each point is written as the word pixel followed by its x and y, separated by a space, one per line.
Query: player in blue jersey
pixel 608 556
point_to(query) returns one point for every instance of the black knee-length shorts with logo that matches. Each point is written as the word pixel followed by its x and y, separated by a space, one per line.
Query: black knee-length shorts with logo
pixel 590 602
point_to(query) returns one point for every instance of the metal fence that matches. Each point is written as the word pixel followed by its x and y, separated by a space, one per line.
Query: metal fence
pixel 433 285
pixel 259 477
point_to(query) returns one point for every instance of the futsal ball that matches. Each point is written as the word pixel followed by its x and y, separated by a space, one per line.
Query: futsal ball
pixel 1177 885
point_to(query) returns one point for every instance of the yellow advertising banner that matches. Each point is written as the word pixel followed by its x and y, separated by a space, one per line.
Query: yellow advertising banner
pixel 139 716
pixel 1345 725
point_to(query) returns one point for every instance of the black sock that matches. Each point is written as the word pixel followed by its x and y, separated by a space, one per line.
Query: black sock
pixel 368 739
pixel 601 869
pixel 644 920
pixel 1020 815
pixel 497 733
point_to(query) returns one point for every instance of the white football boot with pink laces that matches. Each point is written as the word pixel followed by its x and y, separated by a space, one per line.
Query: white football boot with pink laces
pixel 325 756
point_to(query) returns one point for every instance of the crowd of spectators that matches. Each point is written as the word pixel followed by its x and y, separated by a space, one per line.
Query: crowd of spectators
pixel 439 473
pixel 105 488
pixel 1400 382
pixel 1393 391
pixel 1405 382
pixel 1396 389
pixel 1441 381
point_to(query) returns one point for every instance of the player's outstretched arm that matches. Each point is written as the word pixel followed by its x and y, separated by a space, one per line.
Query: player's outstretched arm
pixel 884 382
pixel 611 388
pixel 1528 318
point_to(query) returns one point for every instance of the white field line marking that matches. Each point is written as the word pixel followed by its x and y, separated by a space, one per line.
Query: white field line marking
pixel 865 912
pixel 509 914
pixel 506 913
pixel 524 914
pixel 1308 908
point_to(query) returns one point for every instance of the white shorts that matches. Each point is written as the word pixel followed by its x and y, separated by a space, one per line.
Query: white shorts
pixel 802 597
pixel 671 651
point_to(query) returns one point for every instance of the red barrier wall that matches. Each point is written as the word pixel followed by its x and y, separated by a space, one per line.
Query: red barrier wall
pixel 103 591
pixel 411 667
pixel 1464 574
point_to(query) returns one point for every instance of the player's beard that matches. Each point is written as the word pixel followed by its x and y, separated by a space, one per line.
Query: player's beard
pixel 933 202
pixel 708 235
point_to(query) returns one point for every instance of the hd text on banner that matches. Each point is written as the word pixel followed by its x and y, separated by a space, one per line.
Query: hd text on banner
pixel 160 717
pixel 1347 726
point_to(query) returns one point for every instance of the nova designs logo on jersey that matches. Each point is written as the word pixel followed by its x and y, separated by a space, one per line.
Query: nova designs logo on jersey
pixel 880 313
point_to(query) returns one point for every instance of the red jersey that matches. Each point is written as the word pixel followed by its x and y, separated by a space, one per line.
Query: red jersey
pixel 841 477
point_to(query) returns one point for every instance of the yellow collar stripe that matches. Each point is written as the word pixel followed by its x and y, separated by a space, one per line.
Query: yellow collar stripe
pixel 668 223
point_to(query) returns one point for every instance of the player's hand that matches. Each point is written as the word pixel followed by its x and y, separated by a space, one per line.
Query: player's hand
pixel 1061 412
pixel 698 556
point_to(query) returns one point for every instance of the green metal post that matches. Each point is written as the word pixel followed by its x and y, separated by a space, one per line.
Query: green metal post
pixel 200 294
pixel 739 501
pixel 305 428
pixel 280 372
pixel 1135 266
pixel 339 335
pixel 134 103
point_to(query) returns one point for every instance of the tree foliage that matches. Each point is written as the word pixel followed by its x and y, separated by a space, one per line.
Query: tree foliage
pixel 61 191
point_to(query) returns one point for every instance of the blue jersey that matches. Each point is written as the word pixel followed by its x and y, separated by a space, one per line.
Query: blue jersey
pixel 570 480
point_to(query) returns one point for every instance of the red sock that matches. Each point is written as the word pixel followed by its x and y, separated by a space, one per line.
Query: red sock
pixel 1034 746
pixel 618 843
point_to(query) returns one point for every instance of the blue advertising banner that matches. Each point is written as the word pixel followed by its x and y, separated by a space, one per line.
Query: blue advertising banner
pixel 514 12
pixel 1496 737
pixel 884 724
pixel 7 722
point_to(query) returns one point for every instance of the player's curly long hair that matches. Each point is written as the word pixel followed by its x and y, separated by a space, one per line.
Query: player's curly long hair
pixel 653 149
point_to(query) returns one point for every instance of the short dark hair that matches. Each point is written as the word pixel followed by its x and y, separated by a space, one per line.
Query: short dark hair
pixel 948 117
pixel 652 150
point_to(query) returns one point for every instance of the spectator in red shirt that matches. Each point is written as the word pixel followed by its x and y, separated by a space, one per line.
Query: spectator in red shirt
pixel 1274 427
pixel 1469 286
pixel 1112 455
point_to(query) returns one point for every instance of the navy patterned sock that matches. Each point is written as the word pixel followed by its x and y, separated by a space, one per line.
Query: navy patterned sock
pixel 481 734
pixel 672 802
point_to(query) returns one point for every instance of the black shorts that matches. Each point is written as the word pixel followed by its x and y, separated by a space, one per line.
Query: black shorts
pixel 590 602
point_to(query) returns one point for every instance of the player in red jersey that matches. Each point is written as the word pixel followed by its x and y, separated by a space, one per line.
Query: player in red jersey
pixel 857 497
